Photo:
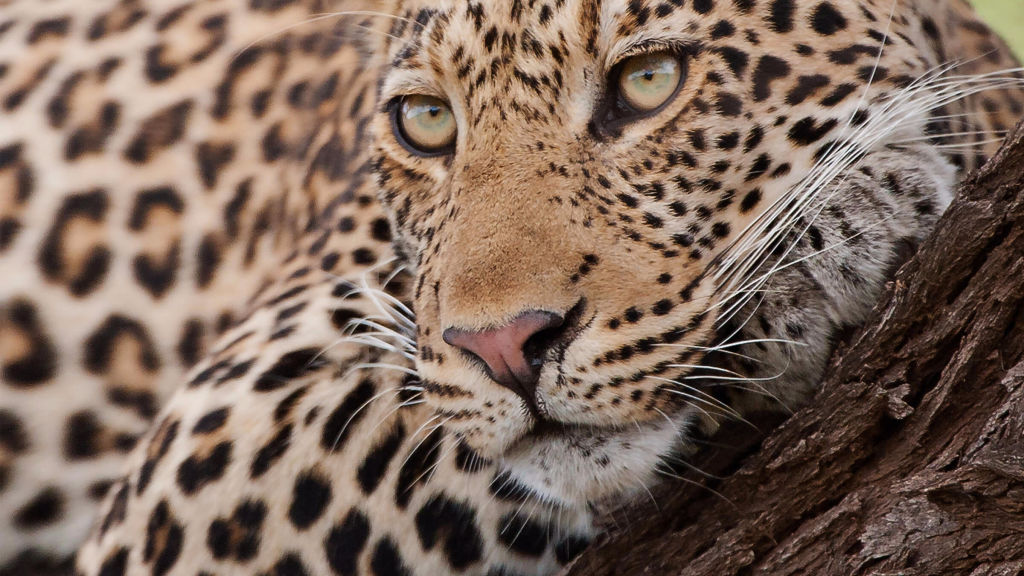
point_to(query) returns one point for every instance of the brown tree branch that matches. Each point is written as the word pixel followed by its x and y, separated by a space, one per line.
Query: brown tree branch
pixel 911 459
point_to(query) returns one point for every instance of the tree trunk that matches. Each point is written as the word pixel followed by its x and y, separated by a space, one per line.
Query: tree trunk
pixel 911 458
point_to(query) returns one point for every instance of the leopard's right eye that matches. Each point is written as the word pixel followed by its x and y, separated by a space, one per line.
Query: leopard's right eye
pixel 425 125
pixel 648 81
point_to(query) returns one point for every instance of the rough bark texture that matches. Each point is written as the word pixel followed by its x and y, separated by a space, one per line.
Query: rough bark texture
pixel 911 458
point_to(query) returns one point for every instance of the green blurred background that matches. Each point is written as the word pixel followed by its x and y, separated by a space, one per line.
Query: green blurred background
pixel 1007 17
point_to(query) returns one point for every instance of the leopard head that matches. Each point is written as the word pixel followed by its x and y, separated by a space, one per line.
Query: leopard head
pixel 575 184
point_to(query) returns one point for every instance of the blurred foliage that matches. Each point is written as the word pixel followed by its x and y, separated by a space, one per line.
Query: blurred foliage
pixel 1007 17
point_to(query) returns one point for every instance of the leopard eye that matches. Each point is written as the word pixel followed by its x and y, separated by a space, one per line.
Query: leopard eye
pixel 425 124
pixel 648 81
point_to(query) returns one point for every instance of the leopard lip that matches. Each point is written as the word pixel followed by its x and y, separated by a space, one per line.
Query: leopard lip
pixel 546 430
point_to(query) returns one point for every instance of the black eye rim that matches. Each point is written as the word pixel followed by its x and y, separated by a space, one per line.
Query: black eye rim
pixel 394 108
pixel 614 112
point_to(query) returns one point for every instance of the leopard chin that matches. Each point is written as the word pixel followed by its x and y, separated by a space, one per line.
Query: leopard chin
pixel 595 467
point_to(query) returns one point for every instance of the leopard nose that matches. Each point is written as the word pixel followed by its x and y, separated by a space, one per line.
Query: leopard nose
pixel 513 353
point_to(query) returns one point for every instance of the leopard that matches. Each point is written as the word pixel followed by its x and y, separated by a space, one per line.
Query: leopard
pixel 400 287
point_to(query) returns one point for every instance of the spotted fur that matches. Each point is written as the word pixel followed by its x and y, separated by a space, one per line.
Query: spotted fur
pixel 226 281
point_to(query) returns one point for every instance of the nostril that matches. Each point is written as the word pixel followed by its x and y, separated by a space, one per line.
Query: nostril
pixel 536 346
pixel 512 353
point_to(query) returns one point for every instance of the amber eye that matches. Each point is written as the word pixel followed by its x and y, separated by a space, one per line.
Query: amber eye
pixel 648 81
pixel 425 124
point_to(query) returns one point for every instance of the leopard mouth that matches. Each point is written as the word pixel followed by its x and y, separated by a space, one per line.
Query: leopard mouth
pixel 585 465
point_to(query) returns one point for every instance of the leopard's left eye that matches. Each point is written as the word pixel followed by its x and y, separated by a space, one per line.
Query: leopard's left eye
pixel 648 81
pixel 425 125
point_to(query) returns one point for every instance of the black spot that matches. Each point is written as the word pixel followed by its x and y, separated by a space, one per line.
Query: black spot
pixel 270 452
pixel 273 145
pixel 310 497
pixel 157 70
pixel 523 535
pixel 159 132
pixel 197 471
pixel 381 230
pixel 723 29
pixel 728 141
pixel 211 159
pixel 703 6
pixel 40 363
pixel 165 435
pixel 387 560
pixel 329 261
pixel 208 258
pixel 211 421
pixel 826 20
pixel 345 416
pixel 850 54
pixel 662 307
pixel 237 536
pixel 364 256
pixel 340 317
pixel 735 58
pixel 290 366
pixel 570 548
pixel 683 239
pixel 190 345
pixel 759 167
pixel 506 487
pixel 115 563
pixel 46 507
pixel 468 460
pixel 99 347
pixel 806 131
pixel 750 200
pixel 838 94
pixel 13 437
pixel 346 541
pixel 418 467
pixel 805 86
pixel 632 315
pixel 729 104
pixel 287 404
pixel 781 17
pixel 88 206
pixel 164 537
pixel 290 565
pixel 52 27
pixel 375 465
pixel 82 438
pixel 455 523
pixel 769 68
pixel 817 242
pixel 155 276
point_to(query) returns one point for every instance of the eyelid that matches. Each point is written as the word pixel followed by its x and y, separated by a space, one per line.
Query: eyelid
pixel 410 85
pixel 642 46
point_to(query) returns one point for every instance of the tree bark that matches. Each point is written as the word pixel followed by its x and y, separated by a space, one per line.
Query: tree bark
pixel 911 458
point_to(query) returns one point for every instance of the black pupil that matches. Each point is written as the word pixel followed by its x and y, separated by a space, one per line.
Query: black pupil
pixel 648 75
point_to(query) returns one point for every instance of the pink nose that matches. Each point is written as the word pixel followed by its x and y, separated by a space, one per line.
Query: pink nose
pixel 510 361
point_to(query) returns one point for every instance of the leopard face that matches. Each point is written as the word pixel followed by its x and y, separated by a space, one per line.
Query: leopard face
pixel 578 255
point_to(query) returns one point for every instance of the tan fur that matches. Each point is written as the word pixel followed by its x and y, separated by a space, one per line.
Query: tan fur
pixel 243 386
